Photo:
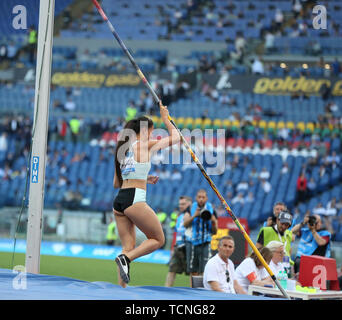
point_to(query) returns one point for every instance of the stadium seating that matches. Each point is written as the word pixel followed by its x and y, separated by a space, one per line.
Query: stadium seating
pixel 292 113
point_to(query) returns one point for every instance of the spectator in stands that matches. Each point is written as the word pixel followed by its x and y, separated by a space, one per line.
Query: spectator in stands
pixel 295 31
pixel 226 99
pixel 229 186
pixel 313 239
pixel 75 125
pixel 333 158
pixel 59 106
pixel 249 198
pixel 67 18
pixel 253 174
pixel 264 174
pixel 242 186
pixel 181 90
pixel 240 47
pixel 85 56
pixel 10 158
pixel 299 95
pixel 62 128
pixel 178 254
pixel 301 187
pixel 296 8
pixel 236 161
pixel 278 18
pixel 6 173
pixel 103 60
pixel 220 211
pixel 311 187
pixel 257 66
pixel 176 175
pixel 164 174
pixel 251 271
pixel 329 214
pixel 314 48
pixel 168 90
pixel 70 105
pixel 63 169
pixel 111 236
pixel 71 200
pixel 63 181
pixel 336 67
pixel 325 92
pixel 12 51
pixel 266 186
pixel 296 215
pixel 278 232
pixel 3 53
pixel 3 142
pixel 322 171
pixel 219 272
pixel 131 111
pixel 285 168
pixel 238 199
pixel 76 158
pixel 32 43
pixel 200 231
pixel 269 42
pixel 339 205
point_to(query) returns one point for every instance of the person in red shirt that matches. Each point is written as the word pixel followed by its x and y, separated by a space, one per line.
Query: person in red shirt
pixel 301 187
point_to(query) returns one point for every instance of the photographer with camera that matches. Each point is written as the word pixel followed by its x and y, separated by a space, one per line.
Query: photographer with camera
pixel 201 224
pixel 314 240
pixel 280 231
pixel 277 208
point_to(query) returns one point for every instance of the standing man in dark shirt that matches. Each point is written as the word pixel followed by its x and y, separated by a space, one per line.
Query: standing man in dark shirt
pixel 201 224
pixel 178 258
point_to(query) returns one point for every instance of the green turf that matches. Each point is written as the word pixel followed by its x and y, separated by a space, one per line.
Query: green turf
pixel 142 274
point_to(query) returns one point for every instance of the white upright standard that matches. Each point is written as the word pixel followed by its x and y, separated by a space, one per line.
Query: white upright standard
pixel 39 135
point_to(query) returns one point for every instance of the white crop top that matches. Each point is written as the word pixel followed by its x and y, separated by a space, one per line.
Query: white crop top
pixel 132 169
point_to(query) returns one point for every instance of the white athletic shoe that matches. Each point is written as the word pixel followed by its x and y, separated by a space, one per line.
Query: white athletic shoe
pixel 123 263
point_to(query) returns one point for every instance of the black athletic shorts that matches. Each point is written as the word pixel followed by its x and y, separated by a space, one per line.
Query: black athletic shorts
pixel 127 197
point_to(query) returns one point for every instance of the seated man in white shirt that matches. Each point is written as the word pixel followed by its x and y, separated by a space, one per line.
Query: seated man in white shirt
pixel 319 209
pixel 219 272
pixel 264 174
pixel 238 199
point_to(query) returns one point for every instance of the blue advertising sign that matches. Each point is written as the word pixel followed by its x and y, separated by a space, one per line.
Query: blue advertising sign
pixel 81 250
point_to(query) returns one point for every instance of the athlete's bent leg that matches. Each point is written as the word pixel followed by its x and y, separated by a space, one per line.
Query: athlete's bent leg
pixel 147 221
